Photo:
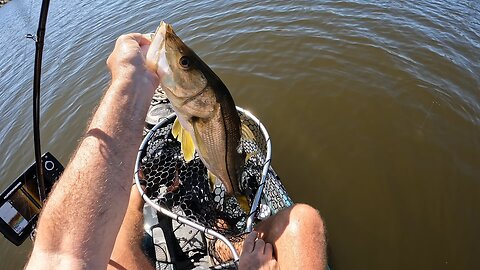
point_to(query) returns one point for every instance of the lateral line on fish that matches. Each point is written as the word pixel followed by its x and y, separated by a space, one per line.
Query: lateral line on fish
pixel 226 156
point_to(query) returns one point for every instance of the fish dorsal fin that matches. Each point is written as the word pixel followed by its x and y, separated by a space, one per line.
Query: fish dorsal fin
pixel 185 139
pixel 247 133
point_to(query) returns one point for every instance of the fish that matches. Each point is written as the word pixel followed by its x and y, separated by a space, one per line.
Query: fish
pixel 207 119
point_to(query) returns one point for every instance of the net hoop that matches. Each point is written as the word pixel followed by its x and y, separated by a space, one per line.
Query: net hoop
pixel 183 219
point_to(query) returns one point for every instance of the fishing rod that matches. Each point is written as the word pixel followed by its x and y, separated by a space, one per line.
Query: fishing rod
pixel 18 197
pixel 39 41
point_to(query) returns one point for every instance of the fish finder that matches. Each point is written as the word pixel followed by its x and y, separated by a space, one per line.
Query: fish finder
pixel 20 203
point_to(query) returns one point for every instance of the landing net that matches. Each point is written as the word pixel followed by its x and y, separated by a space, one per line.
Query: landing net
pixel 183 192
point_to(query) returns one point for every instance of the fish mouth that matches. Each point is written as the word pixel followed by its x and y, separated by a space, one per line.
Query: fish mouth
pixel 157 55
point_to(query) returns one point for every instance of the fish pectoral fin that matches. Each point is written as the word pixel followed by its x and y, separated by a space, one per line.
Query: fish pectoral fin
pixel 177 129
pixel 200 145
pixel 247 133
pixel 186 141
pixel 243 203
pixel 212 179
pixel 249 155
pixel 188 147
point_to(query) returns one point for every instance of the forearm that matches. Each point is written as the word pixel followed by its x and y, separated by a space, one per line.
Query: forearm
pixel 127 252
pixel 86 209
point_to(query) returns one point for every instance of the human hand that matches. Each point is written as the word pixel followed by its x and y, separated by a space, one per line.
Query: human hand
pixel 257 254
pixel 127 62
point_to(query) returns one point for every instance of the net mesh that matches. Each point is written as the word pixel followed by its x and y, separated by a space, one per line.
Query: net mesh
pixel 184 188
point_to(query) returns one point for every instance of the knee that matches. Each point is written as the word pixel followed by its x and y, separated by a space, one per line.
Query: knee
pixel 305 219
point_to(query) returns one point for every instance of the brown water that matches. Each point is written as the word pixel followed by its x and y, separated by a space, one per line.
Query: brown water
pixel 373 108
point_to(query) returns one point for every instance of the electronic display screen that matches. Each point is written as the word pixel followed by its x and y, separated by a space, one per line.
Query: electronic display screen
pixel 20 203
pixel 21 206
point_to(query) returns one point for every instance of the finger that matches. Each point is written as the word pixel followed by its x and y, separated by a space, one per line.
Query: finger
pixel 268 250
pixel 149 36
pixel 272 264
pixel 145 47
pixel 260 245
pixel 142 39
pixel 144 50
pixel 249 243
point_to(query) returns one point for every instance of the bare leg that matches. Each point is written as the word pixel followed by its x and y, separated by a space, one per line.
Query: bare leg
pixel 127 252
pixel 297 235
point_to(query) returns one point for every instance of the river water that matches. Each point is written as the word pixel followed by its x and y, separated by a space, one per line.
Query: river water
pixel 373 108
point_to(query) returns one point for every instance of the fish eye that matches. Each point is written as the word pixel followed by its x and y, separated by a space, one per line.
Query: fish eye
pixel 185 62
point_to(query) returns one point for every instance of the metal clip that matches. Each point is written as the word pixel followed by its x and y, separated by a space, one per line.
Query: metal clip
pixel 32 37
pixel 33 234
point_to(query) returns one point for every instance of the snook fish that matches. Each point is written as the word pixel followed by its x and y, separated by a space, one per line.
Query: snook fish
pixel 207 118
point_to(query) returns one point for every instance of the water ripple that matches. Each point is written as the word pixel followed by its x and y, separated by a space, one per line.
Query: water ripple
pixel 381 99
